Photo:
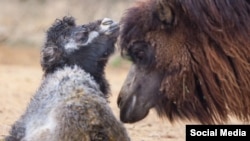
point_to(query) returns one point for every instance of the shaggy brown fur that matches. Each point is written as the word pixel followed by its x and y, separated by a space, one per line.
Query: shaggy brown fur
pixel 203 49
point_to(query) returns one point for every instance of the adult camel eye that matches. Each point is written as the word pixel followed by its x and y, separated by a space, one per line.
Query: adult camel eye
pixel 139 55
pixel 137 52
pixel 142 54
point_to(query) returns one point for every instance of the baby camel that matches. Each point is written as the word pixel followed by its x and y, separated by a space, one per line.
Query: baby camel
pixel 71 103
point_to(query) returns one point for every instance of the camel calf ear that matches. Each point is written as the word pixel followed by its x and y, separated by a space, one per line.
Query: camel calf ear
pixel 165 12
pixel 50 57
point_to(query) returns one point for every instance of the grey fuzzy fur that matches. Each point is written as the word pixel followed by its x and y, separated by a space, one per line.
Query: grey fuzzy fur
pixel 69 105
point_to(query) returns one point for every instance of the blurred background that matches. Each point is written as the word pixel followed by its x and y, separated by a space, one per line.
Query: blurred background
pixel 23 24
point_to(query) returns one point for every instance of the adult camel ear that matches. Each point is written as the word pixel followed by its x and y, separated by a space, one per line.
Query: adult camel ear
pixel 165 12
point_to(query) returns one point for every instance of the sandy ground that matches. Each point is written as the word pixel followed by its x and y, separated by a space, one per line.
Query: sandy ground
pixel 20 76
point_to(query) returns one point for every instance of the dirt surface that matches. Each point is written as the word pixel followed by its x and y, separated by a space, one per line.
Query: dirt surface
pixel 20 76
